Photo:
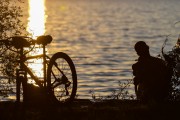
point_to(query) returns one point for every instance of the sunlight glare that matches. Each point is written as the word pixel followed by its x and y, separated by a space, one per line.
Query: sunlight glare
pixel 36 65
pixel 37 18
pixel 36 27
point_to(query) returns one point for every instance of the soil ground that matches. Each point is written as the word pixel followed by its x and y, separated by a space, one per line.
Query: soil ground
pixel 87 110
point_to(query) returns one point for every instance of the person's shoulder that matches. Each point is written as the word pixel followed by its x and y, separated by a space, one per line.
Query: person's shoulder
pixel 158 60
pixel 136 65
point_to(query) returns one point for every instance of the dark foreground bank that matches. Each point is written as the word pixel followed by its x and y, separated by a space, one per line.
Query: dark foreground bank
pixel 86 110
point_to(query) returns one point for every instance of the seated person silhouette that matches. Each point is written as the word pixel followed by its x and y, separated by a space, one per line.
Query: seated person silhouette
pixel 150 75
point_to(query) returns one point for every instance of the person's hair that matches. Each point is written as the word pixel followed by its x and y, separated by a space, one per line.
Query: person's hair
pixel 141 48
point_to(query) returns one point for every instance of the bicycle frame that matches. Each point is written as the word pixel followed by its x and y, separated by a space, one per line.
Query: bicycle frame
pixel 24 70
pixel 59 84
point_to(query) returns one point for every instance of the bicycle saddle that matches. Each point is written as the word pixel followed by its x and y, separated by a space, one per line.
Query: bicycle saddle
pixel 44 40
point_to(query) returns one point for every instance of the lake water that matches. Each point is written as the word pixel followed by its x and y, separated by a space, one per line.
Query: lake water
pixel 99 35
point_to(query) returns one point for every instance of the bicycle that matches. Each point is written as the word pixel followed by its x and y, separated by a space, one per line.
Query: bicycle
pixel 59 73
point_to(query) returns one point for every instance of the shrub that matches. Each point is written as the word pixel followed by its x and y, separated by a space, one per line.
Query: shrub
pixel 10 25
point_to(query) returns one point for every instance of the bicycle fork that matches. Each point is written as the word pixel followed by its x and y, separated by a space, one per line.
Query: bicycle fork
pixel 21 78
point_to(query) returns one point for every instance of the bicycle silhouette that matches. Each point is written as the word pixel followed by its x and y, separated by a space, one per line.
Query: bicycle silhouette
pixel 59 73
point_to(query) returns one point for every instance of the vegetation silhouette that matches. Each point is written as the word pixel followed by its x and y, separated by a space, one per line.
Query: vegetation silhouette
pixel 10 25
pixel 173 63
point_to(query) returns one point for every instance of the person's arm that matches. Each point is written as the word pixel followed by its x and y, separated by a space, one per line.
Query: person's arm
pixel 135 79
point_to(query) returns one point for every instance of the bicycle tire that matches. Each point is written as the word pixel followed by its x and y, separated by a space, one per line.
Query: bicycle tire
pixel 55 77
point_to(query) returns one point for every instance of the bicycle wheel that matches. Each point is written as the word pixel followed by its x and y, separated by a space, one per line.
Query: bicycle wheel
pixel 62 77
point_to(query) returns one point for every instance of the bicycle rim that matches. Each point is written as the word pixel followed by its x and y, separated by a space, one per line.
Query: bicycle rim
pixel 62 77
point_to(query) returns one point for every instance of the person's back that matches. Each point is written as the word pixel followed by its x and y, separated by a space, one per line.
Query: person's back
pixel 150 75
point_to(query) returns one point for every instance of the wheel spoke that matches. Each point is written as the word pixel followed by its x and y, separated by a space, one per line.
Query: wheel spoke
pixel 62 77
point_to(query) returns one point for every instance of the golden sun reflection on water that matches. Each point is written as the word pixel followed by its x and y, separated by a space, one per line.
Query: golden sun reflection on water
pixel 36 27
pixel 37 17
pixel 36 65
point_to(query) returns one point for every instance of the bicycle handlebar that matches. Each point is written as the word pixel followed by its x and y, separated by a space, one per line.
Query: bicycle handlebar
pixel 21 41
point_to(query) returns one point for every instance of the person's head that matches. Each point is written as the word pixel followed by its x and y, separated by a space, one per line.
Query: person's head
pixel 142 48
